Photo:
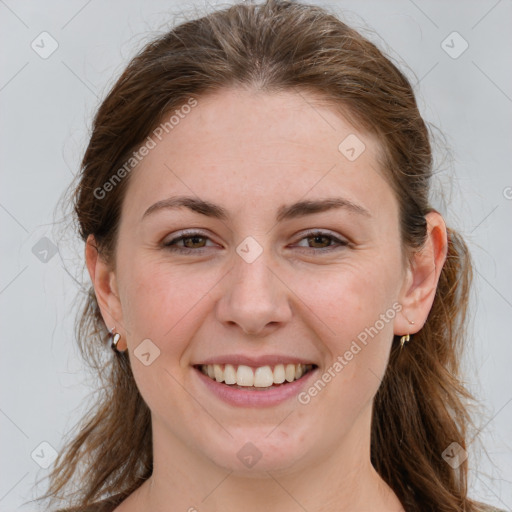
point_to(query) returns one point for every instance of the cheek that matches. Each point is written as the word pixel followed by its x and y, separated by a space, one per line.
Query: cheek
pixel 354 311
pixel 357 306
pixel 348 300
pixel 162 302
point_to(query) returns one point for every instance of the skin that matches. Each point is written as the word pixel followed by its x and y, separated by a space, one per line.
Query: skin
pixel 252 152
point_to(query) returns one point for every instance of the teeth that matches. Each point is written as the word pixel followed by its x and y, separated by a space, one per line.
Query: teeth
pixel 290 372
pixel 244 376
pixel 229 374
pixel 279 374
pixel 262 377
pixel 218 373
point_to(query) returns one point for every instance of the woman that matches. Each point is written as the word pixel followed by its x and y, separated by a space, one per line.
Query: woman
pixel 286 309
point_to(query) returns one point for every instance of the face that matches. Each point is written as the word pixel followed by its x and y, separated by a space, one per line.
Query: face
pixel 251 279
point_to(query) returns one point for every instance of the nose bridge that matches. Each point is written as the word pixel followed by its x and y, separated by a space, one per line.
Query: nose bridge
pixel 253 298
pixel 253 282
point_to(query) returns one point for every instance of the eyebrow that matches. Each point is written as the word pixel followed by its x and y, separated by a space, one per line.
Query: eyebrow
pixel 285 212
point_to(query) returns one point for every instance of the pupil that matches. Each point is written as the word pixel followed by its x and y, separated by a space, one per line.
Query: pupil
pixel 318 239
pixel 193 240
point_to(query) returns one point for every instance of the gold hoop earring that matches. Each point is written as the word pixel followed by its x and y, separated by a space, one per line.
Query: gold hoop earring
pixel 407 337
pixel 404 339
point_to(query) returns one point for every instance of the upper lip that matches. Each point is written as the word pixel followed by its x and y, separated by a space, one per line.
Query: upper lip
pixel 254 361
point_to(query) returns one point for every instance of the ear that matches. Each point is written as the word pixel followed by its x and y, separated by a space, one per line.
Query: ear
pixel 105 288
pixel 422 275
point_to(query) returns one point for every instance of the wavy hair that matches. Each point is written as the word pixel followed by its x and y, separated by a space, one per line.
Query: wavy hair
pixel 421 406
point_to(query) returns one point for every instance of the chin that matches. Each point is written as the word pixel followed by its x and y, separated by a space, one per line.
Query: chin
pixel 256 453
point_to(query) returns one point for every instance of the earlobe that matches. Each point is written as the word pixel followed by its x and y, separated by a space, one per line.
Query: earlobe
pixel 423 276
pixel 104 282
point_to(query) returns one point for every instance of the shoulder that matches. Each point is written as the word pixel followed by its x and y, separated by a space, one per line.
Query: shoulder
pixel 106 505
pixel 489 508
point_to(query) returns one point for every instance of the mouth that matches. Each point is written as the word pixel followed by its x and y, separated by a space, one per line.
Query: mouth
pixel 255 379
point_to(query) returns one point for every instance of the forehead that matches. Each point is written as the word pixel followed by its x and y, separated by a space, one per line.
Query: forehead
pixel 245 147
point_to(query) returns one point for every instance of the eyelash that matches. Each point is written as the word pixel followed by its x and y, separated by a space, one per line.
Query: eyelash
pixel 171 244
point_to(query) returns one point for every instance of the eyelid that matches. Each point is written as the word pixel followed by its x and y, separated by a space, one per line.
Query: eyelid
pixel 186 233
pixel 323 232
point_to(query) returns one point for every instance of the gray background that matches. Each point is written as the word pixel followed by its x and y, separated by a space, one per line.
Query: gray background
pixel 47 106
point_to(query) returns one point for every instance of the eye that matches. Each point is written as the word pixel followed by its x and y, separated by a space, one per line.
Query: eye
pixel 195 242
pixel 323 241
pixel 192 242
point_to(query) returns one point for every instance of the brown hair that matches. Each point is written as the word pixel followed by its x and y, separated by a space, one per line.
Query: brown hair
pixel 420 408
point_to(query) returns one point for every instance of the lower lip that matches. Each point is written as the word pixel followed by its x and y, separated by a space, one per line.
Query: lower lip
pixel 256 398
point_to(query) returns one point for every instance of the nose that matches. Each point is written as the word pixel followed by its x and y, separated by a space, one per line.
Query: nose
pixel 254 298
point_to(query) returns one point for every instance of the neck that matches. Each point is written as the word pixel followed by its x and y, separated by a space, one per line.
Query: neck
pixel 342 480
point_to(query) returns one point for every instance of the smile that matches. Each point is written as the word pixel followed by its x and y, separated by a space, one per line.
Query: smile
pixel 242 376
